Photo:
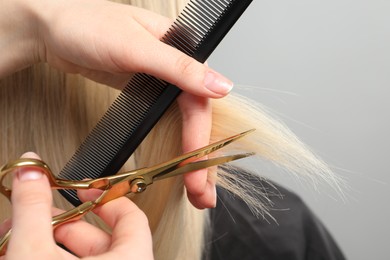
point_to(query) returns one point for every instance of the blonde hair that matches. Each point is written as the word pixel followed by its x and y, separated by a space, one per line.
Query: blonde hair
pixel 46 111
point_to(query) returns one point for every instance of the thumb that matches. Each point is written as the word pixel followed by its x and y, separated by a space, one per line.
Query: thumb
pixel 31 211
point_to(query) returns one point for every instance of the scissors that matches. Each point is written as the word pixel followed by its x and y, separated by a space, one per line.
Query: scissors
pixel 118 185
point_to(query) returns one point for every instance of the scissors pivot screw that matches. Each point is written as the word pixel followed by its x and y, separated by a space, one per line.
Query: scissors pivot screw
pixel 138 186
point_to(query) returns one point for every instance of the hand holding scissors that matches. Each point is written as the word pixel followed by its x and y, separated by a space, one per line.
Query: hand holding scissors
pixel 119 185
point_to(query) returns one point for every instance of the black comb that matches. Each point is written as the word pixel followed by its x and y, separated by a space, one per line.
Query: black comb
pixel 196 32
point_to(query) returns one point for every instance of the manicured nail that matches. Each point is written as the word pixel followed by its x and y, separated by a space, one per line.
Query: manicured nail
pixel 29 175
pixel 217 83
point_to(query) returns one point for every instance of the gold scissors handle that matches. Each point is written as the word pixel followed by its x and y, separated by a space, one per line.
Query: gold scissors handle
pixel 119 185
pixel 70 215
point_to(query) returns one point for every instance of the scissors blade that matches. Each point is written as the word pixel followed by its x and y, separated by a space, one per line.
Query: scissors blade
pixel 136 181
pixel 169 166
pixel 198 165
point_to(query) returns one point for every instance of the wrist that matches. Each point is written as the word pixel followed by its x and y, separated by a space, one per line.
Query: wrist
pixel 19 38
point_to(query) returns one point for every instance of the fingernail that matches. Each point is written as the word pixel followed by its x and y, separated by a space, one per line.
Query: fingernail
pixel 217 83
pixel 29 175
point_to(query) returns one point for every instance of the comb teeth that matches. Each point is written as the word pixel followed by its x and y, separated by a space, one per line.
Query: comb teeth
pixel 196 32
pixel 194 24
pixel 95 155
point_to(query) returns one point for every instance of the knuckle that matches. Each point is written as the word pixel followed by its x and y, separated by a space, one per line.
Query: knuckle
pixel 185 65
pixel 132 211
pixel 31 198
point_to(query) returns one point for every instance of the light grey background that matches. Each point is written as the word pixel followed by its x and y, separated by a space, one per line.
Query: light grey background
pixel 324 67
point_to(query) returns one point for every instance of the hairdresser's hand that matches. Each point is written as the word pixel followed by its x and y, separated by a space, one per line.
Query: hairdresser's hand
pixel 106 42
pixel 101 40
pixel 32 232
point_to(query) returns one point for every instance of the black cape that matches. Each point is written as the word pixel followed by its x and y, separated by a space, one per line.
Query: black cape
pixel 298 234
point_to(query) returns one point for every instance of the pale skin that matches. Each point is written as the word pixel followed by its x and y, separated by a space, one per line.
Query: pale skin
pixel 32 233
pixel 108 42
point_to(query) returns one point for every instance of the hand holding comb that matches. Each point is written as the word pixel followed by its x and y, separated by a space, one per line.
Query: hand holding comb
pixel 196 32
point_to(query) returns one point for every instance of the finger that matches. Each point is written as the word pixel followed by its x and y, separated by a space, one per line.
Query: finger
pixel 167 62
pixel 5 226
pixel 116 80
pixel 197 116
pixel 178 68
pixel 154 23
pixel 82 238
pixel 31 213
pixel 126 50
pixel 208 198
pixel 91 240
pixel 175 67
pixel 130 229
